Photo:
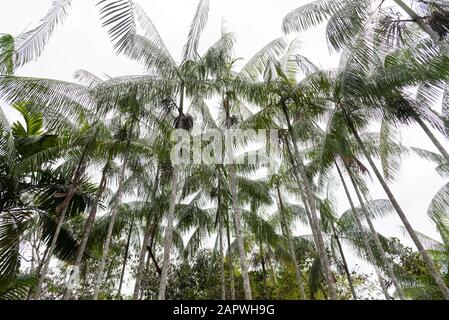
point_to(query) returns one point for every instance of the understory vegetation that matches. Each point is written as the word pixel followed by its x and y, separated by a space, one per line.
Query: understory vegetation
pixel 92 205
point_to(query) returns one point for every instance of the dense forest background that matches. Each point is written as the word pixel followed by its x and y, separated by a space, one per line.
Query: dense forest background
pixel 92 206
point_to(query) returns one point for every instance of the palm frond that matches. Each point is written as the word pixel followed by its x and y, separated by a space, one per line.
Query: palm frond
pixel 258 64
pixel 311 15
pixel 346 23
pixel 118 16
pixel 439 212
pixel 54 97
pixel 7 44
pixel 150 31
pixel 196 28
pixel 147 52
pixel 87 78
pixel 30 45
pixel 445 107
pixel 18 288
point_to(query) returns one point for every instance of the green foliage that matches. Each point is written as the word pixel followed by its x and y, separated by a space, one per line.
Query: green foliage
pixel 79 149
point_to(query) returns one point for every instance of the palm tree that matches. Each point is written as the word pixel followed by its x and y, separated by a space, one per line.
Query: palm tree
pixel 350 96
pixel 423 286
pixel 341 32
pixel 287 98
pixel 336 148
pixel 16 51
pixel 131 108
pixel 69 194
pixel 346 18
pixel 285 219
pixel 31 151
pixel 152 51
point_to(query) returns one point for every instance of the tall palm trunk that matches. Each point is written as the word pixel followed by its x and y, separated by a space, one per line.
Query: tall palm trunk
pixel 365 238
pixel 427 260
pixel 237 215
pixel 222 266
pixel 220 234
pixel 143 250
pixel 114 212
pixel 345 263
pixel 432 137
pixel 171 212
pixel 168 235
pixel 142 255
pixel 314 222
pixel 302 194
pixel 125 261
pixel 230 258
pixel 239 233
pixel 86 232
pixel 379 247
pixel 61 210
pixel 291 247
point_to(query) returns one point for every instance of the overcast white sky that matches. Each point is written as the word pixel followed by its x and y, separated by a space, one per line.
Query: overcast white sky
pixel 81 43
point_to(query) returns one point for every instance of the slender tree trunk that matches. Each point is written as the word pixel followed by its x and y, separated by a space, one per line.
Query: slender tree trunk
pixel 146 248
pixel 61 210
pixel 49 255
pixel 381 250
pixel 147 270
pixel 237 215
pixel 142 255
pixel 153 258
pixel 33 256
pixel 220 234
pixel 86 232
pixel 428 261
pixel 230 264
pixel 110 267
pixel 32 291
pixel 222 266
pixel 114 212
pixel 168 235
pixel 239 233
pixel 230 257
pixel 302 194
pixel 365 238
pixel 313 212
pixel 125 260
pixel 345 264
pixel 432 137
pixel 291 247
pixel 143 250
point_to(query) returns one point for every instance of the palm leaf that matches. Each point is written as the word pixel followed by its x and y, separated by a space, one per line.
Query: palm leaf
pixel 196 28
pixel 87 78
pixel 118 16
pixel 18 288
pixel 151 32
pixel 311 15
pixel 29 46
pixel 346 23
pixel 439 212
pixel 7 44
pixel 258 64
